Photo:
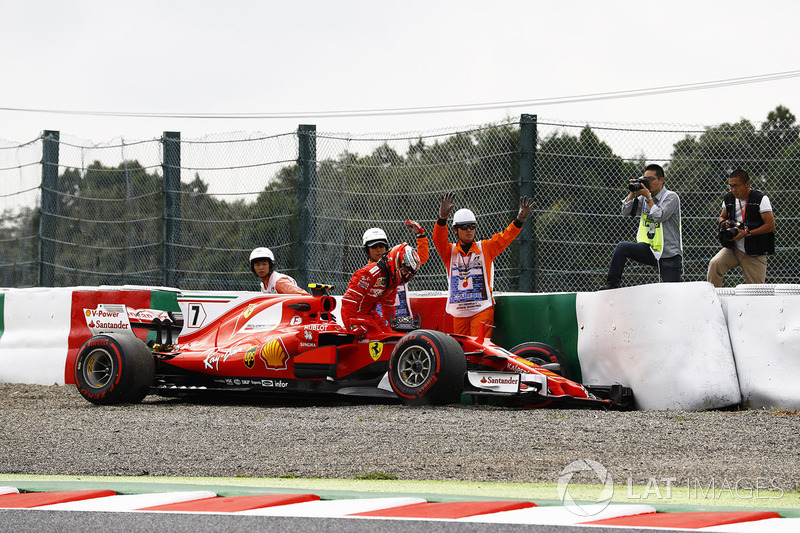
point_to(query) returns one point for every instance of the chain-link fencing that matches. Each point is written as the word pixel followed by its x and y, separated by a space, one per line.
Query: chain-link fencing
pixel 187 213
pixel 236 193
pixel 582 174
pixel 101 214
pixel 20 183
pixel 365 182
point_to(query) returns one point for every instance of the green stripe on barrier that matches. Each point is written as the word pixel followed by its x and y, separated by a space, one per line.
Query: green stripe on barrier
pixel 164 300
pixel 548 318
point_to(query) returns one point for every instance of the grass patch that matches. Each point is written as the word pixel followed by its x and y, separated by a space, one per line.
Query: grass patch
pixel 372 476
pixel 784 412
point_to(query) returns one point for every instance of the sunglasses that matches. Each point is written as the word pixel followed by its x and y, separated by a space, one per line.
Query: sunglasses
pixel 377 245
pixel 467 227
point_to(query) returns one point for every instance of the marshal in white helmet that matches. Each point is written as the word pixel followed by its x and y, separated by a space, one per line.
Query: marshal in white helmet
pixel 262 254
pixel 374 235
pixel 262 263
pixel 464 216
pixel 375 243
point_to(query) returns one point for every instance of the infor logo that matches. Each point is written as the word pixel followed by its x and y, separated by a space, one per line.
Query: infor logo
pixel 583 487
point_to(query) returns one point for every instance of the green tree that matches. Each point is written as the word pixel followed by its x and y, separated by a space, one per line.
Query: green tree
pixel 580 182
pixel 700 168
pixel 779 131
pixel 103 225
pixel 19 247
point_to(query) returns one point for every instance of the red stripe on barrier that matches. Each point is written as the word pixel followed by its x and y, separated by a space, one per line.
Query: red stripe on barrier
pixel 79 331
pixel 685 520
pixel 27 500
pixel 448 509
pixel 232 504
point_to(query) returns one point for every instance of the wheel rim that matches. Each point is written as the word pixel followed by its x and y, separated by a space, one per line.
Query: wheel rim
pixel 537 360
pixel 414 366
pixel 98 369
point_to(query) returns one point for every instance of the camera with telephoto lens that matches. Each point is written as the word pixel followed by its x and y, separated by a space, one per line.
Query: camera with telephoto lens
pixel 637 184
pixel 728 233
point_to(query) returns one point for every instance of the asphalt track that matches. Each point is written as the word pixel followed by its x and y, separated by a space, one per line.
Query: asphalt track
pixel 60 521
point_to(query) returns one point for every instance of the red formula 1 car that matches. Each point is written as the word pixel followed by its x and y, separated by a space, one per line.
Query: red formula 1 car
pixel 293 344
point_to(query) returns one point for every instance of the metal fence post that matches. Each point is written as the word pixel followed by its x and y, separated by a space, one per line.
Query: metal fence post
pixel 307 163
pixel 527 182
pixel 50 145
pixel 171 206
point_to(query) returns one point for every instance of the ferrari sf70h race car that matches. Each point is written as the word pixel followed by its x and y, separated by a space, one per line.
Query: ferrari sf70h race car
pixel 293 344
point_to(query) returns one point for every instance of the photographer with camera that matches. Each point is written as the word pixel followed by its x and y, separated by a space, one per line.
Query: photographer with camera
pixel 659 241
pixel 746 232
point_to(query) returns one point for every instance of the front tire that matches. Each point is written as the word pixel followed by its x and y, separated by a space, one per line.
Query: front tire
pixel 542 354
pixel 427 368
pixel 114 369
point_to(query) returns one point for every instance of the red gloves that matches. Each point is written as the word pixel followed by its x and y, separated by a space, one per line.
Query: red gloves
pixel 361 326
pixel 415 227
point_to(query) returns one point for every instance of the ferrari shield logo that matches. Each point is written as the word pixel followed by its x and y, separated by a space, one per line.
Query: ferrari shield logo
pixel 249 311
pixel 375 350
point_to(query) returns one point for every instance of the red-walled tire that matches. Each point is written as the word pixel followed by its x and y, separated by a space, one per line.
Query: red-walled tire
pixel 113 369
pixel 541 354
pixel 427 368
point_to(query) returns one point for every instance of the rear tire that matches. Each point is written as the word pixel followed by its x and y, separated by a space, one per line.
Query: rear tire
pixel 427 368
pixel 113 369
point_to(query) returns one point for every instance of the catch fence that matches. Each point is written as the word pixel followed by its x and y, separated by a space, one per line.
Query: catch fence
pixel 186 212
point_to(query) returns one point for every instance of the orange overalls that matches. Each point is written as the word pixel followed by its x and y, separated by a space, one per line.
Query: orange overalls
pixel 469 277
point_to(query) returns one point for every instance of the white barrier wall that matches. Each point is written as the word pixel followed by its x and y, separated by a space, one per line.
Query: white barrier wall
pixel 33 345
pixel 677 345
pixel 765 335
pixel 42 328
pixel 203 307
pixel 667 341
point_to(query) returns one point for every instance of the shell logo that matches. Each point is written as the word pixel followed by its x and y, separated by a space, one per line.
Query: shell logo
pixel 88 312
pixel 274 355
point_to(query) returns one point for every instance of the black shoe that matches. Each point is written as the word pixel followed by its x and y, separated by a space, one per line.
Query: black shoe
pixel 608 286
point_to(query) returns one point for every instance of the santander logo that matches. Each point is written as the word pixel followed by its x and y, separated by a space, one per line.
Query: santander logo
pixel 489 380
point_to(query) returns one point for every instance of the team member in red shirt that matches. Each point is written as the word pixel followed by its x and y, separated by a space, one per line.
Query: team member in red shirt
pixel 375 245
pixel 469 264
pixel 374 284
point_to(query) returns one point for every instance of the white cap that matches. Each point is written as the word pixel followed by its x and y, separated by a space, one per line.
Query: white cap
pixel 464 216
pixel 261 253
pixel 374 235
